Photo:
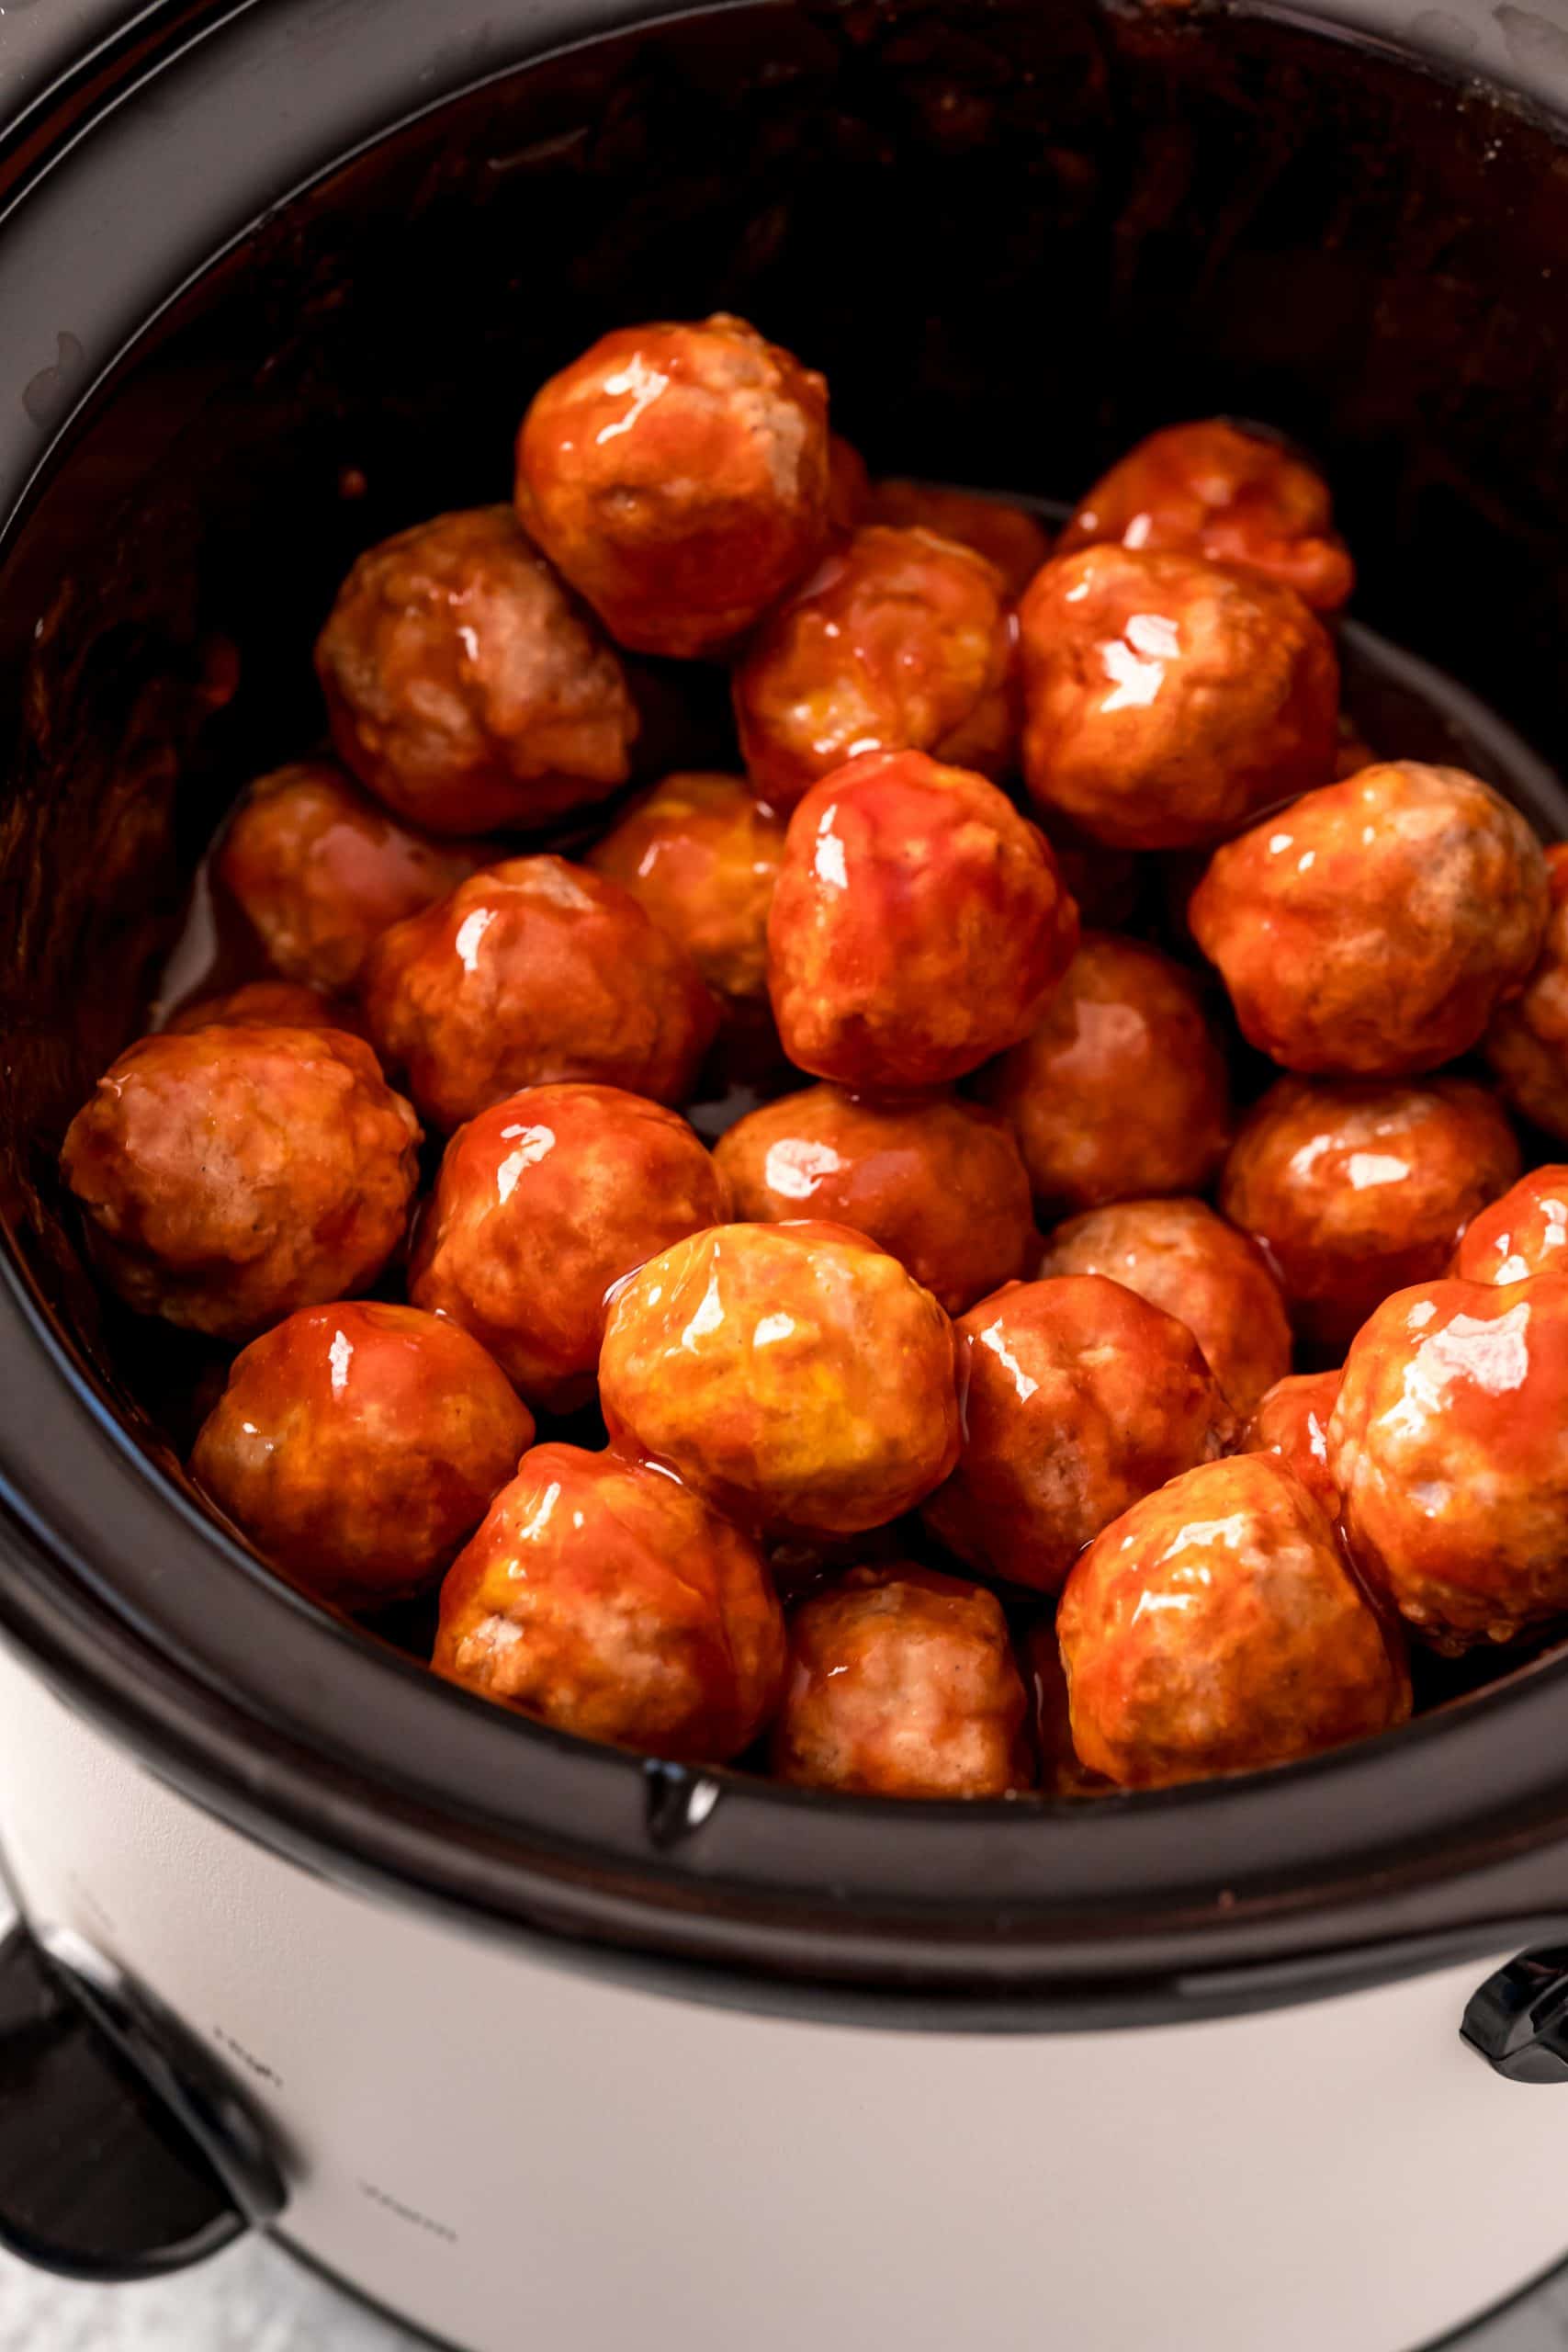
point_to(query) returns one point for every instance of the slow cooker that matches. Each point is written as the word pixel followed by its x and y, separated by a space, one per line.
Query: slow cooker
pixel 524 2039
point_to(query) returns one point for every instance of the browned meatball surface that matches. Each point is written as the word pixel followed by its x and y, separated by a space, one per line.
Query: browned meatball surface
pixel 359 1445
pixel 1352 1189
pixel 230 1175
pixel 849 486
pixel 1121 1089
pixel 1168 700
pixel 464 687
pixel 702 857
pixel 1526 1044
pixel 605 1598
pixel 1372 929
pixel 1217 1626
pixel 678 476
pixel 1180 1255
pixel 1008 536
pixel 901 1683
pixel 532 971
pixel 267 1004
pixel 1524 1232
pixel 1081 1396
pixel 543 1203
pixel 1291 1421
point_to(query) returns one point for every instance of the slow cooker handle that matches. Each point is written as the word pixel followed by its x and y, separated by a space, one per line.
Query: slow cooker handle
pixel 125 2151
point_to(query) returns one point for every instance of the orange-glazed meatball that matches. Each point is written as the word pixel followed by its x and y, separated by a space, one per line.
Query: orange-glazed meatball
pixel 1527 1044
pixel 1353 1189
pixel 1213 488
pixel 319 872
pixel 605 1598
pixel 899 641
pixel 917 926
pixel 702 857
pixel 464 687
pixel 937 1182
pixel 678 476
pixel 543 1203
pixel 1007 536
pixel 1524 1232
pixel 358 1446
pixel 232 1175
pixel 267 1004
pixel 1121 1089
pixel 848 485
pixel 531 971
pixel 1081 1396
pixel 1371 928
pixel 1182 1257
pixel 901 1683
pixel 794 1374
pixel 1168 700
pixel 1061 1774
pixel 1449 1446
pixel 1217 1626
pixel 1291 1421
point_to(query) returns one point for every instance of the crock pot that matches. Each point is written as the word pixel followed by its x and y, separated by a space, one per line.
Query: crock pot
pixel 523 2039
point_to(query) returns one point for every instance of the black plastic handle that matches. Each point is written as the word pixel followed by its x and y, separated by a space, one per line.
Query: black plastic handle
pixel 125 2151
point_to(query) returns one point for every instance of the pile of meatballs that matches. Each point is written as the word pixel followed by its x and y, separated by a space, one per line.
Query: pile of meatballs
pixel 989 1399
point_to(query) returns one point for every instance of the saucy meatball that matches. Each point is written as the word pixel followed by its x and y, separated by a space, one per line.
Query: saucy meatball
pixel 1372 929
pixel 267 1004
pixel 358 1446
pixel 1005 535
pixel 232 1175
pixel 794 1374
pixel 464 687
pixel 702 857
pixel 1168 700
pixel 319 872
pixel 1213 488
pixel 1291 1421
pixel 605 1597
pixel 1525 1232
pixel 531 971
pixel 1121 1089
pixel 849 486
pixel 1527 1044
pixel 1080 1397
pixel 1182 1257
pixel 678 476
pixel 1353 1189
pixel 938 1182
pixel 899 641
pixel 1217 1626
pixel 901 1682
pixel 1061 1773
pixel 917 926
pixel 1449 1446
pixel 543 1203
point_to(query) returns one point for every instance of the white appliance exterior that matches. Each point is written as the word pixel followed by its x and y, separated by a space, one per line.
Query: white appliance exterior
pixel 509 2154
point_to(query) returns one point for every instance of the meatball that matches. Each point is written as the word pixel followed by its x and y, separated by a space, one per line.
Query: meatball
pixel 232 1175
pixel 678 475
pixel 1121 1090
pixel 1168 700
pixel 267 1004
pixel 605 1597
pixel 1181 1256
pixel 1372 929
pixel 899 641
pixel 701 858
pixel 1061 1774
pixel 1005 535
pixel 918 925
pixel 1080 1397
pixel 464 687
pixel 794 1374
pixel 1217 1626
pixel 1527 1044
pixel 319 872
pixel 544 1202
pixel 1449 1446
pixel 357 1447
pixel 1214 489
pixel 1353 1189
pixel 531 971
pixel 849 486
pixel 937 1182
pixel 1291 1421
pixel 1524 1232
pixel 901 1683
